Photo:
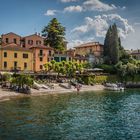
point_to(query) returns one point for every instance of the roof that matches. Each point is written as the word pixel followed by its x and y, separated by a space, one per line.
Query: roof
pixel 11 33
pixel 33 35
pixel 80 58
pixel 88 44
pixel 14 47
pixel 70 50
pixel 42 47
pixel 136 51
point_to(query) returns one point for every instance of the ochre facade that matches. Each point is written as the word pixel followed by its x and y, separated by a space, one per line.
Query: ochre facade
pixel 23 53
pixel 94 47
pixel 15 58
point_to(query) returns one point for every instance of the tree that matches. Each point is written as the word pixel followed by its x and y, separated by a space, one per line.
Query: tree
pixel 115 45
pixel 54 34
pixel 112 45
pixel 131 70
pixel 6 77
pixel 107 46
pixel 22 80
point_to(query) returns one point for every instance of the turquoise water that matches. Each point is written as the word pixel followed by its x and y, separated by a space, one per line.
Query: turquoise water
pixel 86 116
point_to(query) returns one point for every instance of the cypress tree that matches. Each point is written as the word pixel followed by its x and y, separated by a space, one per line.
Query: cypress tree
pixel 107 44
pixel 112 45
pixel 115 45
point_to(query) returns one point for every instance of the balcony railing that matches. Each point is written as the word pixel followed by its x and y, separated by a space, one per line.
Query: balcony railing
pixel 15 68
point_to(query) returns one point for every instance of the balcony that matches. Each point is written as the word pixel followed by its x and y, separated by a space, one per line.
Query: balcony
pixel 41 55
pixel 15 69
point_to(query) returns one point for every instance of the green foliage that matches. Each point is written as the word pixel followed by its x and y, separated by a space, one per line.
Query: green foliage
pixel 54 33
pixel 113 51
pixel 107 68
pixel 22 80
pixel 86 79
pixel 129 69
pixel 67 68
pixel 106 78
pixel 6 77
pixel 98 79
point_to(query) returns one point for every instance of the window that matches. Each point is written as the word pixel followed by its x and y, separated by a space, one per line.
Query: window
pixel 30 42
pixel 15 55
pixel 50 53
pixel 41 59
pixel 25 65
pixel 5 64
pixel 25 55
pixel 41 67
pixel 7 40
pixel 41 52
pixel 15 64
pixel 38 42
pixel 48 59
pixel 15 41
pixel 90 50
pixel 5 54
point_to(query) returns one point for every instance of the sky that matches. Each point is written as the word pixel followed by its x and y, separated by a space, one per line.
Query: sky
pixel 84 20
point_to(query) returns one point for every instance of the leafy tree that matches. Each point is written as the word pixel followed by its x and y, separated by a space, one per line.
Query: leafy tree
pixel 68 68
pixel 131 70
pixel 6 77
pixel 121 70
pixel 126 70
pixel 54 34
pixel 22 80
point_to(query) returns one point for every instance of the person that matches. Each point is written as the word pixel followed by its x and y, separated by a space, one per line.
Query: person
pixel 78 88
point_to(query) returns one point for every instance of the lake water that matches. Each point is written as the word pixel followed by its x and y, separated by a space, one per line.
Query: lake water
pixel 86 116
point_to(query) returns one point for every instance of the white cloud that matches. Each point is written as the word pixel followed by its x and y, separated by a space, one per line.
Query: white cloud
pixel 92 5
pixel 137 23
pixel 65 1
pixel 74 43
pixel 132 41
pixel 77 42
pixel 51 12
pixel 98 25
pixel 94 29
pixel 96 5
pixel 73 9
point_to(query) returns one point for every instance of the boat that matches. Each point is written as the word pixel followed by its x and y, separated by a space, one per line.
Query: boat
pixel 115 87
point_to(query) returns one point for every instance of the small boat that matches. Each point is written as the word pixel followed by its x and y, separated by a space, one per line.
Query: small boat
pixel 115 87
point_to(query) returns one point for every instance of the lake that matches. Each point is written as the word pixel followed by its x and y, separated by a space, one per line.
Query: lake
pixel 85 116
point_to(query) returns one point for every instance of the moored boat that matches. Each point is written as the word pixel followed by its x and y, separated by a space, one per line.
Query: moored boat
pixel 116 87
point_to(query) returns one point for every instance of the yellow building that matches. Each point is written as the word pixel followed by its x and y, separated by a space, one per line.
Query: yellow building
pixel 14 57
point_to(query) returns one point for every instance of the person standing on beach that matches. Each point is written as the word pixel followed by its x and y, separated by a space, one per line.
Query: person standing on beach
pixel 78 88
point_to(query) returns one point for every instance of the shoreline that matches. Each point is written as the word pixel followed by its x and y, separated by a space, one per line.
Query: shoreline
pixel 6 95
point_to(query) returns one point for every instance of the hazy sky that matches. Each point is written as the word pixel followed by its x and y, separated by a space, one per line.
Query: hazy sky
pixel 85 20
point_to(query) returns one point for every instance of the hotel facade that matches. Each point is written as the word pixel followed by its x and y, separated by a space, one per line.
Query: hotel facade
pixel 30 54
pixel 23 53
